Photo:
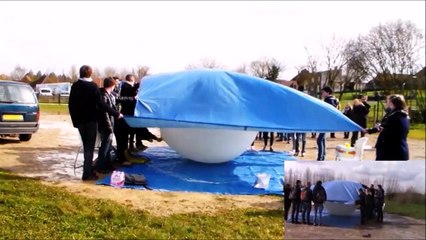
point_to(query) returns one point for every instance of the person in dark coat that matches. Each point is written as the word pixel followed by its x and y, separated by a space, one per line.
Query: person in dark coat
pixel 287 200
pixel 306 197
pixel 392 141
pixel 295 202
pixel 359 115
pixel 106 126
pixel 380 201
pixel 84 102
pixel 319 196
pixel 369 204
pixel 362 205
pixel 347 112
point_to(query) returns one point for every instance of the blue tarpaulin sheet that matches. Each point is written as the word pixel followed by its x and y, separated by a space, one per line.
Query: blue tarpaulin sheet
pixel 207 98
pixel 168 171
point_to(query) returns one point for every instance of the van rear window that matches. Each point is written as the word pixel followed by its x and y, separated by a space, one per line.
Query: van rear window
pixel 14 93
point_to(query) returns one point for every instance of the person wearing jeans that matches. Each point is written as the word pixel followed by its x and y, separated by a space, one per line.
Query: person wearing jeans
pixel 105 127
pixel 296 143
pixel 319 196
pixel 306 198
pixel 321 146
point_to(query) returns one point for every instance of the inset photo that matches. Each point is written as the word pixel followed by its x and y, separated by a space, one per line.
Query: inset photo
pixel 354 200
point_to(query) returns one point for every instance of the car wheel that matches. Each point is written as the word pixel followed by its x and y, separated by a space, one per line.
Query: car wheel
pixel 25 137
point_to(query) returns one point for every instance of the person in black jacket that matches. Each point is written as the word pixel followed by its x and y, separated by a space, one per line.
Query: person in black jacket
pixel 359 116
pixel 106 127
pixel 347 111
pixel 319 196
pixel 362 205
pixel 83 104
pixel 306 197
pixel 287 201
pixel 380 201
pixel 295 202
pixel 392 141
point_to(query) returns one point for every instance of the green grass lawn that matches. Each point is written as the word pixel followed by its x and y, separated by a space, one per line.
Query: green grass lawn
pixel 32 210
pixel 417 131
pixel 414 210
pixel 54 108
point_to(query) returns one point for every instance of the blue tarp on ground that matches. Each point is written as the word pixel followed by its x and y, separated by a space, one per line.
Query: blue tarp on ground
pixel 208 98
pixel 167 171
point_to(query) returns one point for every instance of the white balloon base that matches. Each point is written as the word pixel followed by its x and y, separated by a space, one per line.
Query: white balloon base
pixel 208 145
pixel 340 208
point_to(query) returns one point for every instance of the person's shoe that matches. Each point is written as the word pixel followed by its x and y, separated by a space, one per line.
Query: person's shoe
pixel 296 154
pixel 271 149
pixel 264 148
pixel 303 154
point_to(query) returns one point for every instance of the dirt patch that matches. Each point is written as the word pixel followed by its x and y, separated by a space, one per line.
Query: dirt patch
pixel 50 156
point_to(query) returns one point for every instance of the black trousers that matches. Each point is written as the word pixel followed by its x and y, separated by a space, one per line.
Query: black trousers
pixel 287 205
pixel 271 138
pixel 88 132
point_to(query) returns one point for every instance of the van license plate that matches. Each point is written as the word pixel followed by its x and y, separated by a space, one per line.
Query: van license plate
pixel 12 117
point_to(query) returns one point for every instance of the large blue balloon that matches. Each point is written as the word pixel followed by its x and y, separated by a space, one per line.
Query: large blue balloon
pixel 222 99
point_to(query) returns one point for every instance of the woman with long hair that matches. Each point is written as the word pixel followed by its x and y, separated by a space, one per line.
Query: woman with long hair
pixel 392 141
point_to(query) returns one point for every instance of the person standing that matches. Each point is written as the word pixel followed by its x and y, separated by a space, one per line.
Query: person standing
pixel 380 201
pixel 295 202
pixel 330 99
pixel 319 196
pixel 359 115
pixel 392 141
pixel 287 200
pixel 84 102
pixel 106 126
pixel 362 205
pixel 306 198
pixel 299 137
pixel 265 140
pixel 347 112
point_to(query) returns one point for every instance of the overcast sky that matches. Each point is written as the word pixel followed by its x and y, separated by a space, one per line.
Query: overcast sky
pixel 167 36
pixel 408 173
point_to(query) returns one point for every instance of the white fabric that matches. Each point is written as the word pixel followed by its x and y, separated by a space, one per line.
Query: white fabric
pixel 208 145
pixel 262 180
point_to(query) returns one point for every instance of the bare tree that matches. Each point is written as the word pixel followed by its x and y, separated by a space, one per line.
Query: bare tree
pixel 140 72
pixel 388 51
pixel 73 73
pixel 18 73
pixel 110 72
pixel 206 63
pixel 242 69
pixel 335 61
pixel 308 77
pixel 268 68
